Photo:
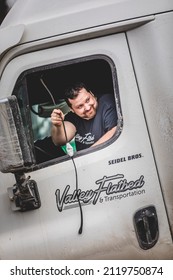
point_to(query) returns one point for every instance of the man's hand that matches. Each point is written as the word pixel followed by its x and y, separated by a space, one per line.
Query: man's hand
pixel 57 117
pixel 61 133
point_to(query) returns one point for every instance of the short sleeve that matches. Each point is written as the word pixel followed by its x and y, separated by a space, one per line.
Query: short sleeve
pixel 109 112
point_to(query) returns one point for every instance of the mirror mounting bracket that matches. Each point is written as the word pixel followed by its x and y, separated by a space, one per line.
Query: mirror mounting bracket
pixel 24 195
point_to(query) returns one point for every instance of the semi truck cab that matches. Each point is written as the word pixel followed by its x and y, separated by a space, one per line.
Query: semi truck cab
pixel 111 201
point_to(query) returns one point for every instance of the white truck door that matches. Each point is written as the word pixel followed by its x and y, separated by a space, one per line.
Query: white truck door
pixel 124 215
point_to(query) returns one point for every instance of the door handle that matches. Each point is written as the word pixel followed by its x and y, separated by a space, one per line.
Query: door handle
pixel 146 227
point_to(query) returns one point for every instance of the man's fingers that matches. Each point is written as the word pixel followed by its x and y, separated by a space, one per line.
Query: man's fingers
pixel 57 117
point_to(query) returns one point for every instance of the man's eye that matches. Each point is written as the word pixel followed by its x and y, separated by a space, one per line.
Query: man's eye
pixel 87 100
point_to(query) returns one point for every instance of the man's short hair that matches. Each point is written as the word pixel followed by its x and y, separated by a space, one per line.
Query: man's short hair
pixel 73 91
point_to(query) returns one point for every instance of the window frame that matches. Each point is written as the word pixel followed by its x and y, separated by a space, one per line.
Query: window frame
pixel 59 65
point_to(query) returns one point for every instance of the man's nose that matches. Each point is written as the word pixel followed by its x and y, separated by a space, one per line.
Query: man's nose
pixel 87 107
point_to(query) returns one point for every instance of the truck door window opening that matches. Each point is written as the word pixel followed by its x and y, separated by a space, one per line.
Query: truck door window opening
pixel 44 86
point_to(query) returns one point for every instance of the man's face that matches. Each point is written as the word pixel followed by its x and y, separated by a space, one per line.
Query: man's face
pixel 84 105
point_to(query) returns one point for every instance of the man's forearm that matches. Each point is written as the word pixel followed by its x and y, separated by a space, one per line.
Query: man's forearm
pixel 105 137
pixel 63 133
pixel 58 135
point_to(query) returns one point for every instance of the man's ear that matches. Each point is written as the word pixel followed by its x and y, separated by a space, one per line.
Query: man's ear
pixel 71 108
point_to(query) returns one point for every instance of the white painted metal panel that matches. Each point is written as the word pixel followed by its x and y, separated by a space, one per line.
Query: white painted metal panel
pixel 108 230
pixel 151 48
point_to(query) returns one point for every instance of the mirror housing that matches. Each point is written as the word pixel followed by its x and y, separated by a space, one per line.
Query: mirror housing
pixel 15 152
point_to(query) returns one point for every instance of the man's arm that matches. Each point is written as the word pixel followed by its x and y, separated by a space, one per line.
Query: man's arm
pixel 106 136
pixel 61 131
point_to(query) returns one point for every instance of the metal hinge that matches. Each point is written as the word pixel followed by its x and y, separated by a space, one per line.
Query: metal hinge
pixel 24 195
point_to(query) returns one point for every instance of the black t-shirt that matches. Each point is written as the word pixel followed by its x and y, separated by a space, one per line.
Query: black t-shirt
pixel 90 131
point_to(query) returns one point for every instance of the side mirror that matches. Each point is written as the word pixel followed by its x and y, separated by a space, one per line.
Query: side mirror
pixel 15 153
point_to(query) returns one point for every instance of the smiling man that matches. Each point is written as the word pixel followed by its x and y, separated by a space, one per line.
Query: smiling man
pixel 91 121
